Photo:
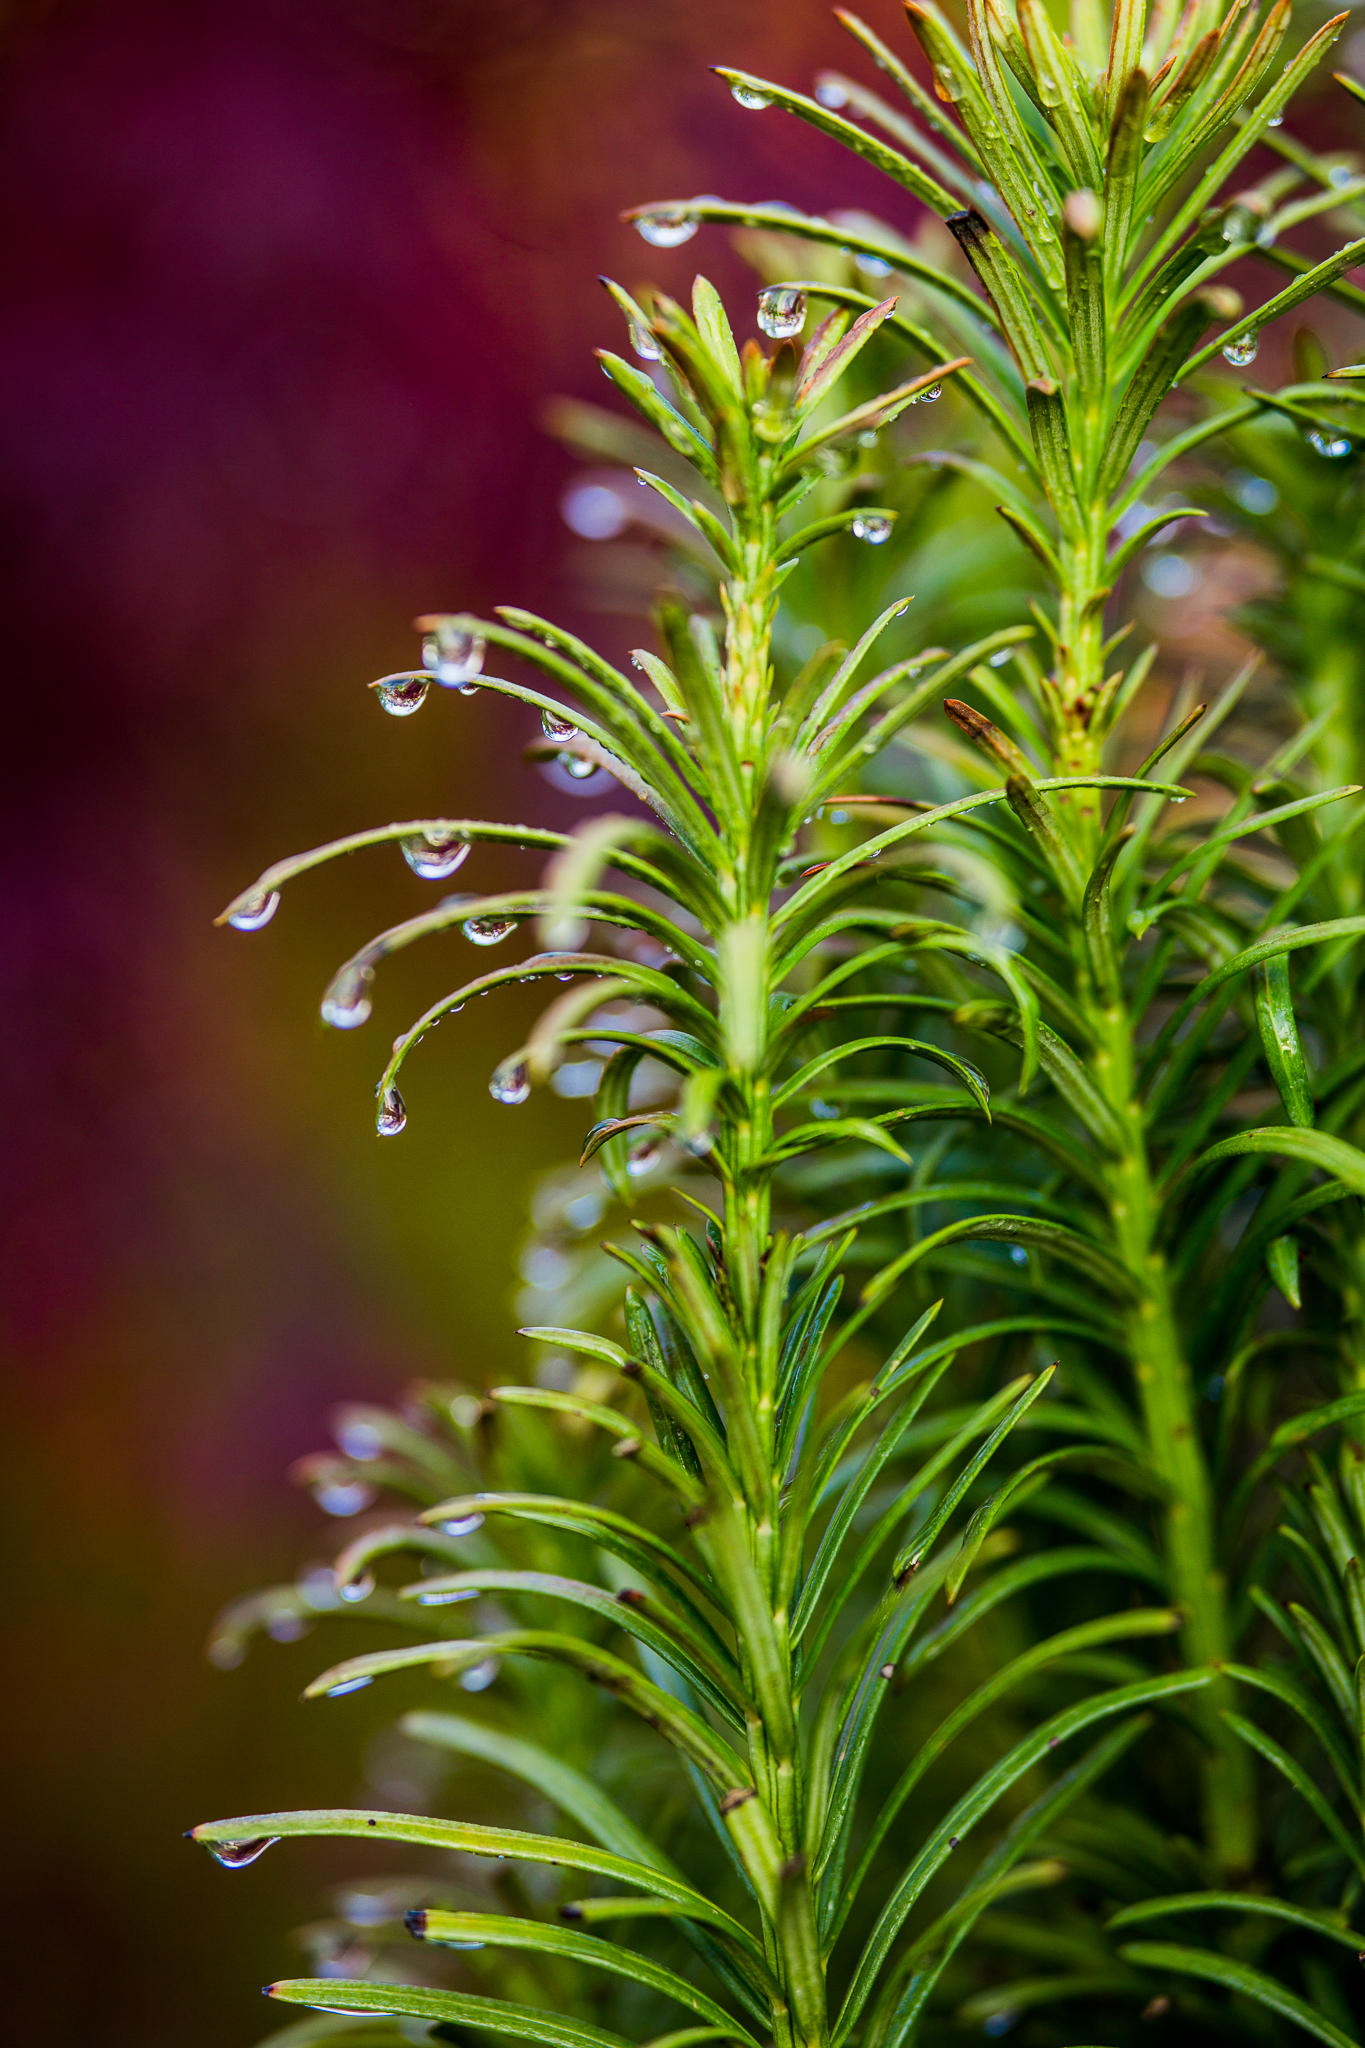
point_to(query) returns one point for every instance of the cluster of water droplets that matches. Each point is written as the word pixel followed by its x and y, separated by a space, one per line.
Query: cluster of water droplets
pixel 781 311
pixel 254 910
pixel 347 1003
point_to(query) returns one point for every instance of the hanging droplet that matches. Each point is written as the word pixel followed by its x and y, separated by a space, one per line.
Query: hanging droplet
pixel 250 912
pixel 1326 441
pixel 480 1676
pixel 643 1158
pixel 511 1083
pixel 486 931
pixel 1242 349
pixel 749 97
pixel 873 527
pixel 930 395
pixel 434 859
pixel 453 654
pixel 342 1496
pixel 392 1115
pixel 577 766
pixel 781 311
pixel 347 1001
pixel 461 1525
pixel 356 1589
pixel 1018 1255
pixel 402 694
pixel 831 91
pixel 360 1440
pixel 556 728
pixel 337 1692
pixel 1275 121
pixel 644 343
pixel 593 511
pixel 667 228
pixel 237 1855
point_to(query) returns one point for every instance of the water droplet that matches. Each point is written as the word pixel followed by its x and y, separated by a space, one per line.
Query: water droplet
pixel 356 1589
pixel 667 228
pixel 1018 1255
pixel 873 527
pixel 392 1115
pixel 870 265
pixel 1242 349
pixel 286 1628
pixel 1328 442
pixel 347 1001
pixel 831 91
pixel 1340 174
pixel 461 1525
pixel 340 1690
pixel 645 344
pixel 402 694
pixel 1275 121
pixel 930 395
pixel 343 1496
pixel 453 654
pixel 253 910
pixel 486 931
pixel 480 1676
pixel 510 1083
pixel 593 511
pixel 1253 493
pixel 360 1440
pixel 437 1596
pixel 434 859
pixel 237 1855
pixel 781 311
pixel 1169 576
pixel 556 728
pixel 749 97
pixel 577 766
pixel 643 1158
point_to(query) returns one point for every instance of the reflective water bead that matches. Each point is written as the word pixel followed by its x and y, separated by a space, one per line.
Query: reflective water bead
pixel 1169 575
pixel 400 695
pixel 643 1158
pixel 1242 349
pixel 872 527
pixel 870 265
pixel 253 910
pixel 392 1115
pixel 337 1692
pixel 556 728
pixel 749 97
pixel 480 1676
pixel 781 311
pixel 360 1440
pixel 1253 493
pixel 347 1001
pixel 237 1855
pixel 668 228
pixel 592 511
pixel 461 1525
pixel 342 1496
pixel 831 91
pixel 510 1083
pixel 930 395
pixel 434 859
pixel 644 343
pixel 486 931
pixel 577 766
pixel 1326 441
pixel 356 1589
pixel 453 653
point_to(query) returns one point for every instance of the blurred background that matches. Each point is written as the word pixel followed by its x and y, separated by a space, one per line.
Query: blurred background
pixel 288 284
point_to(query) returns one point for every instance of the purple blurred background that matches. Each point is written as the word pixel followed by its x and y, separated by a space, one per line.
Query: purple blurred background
pixel 289 283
